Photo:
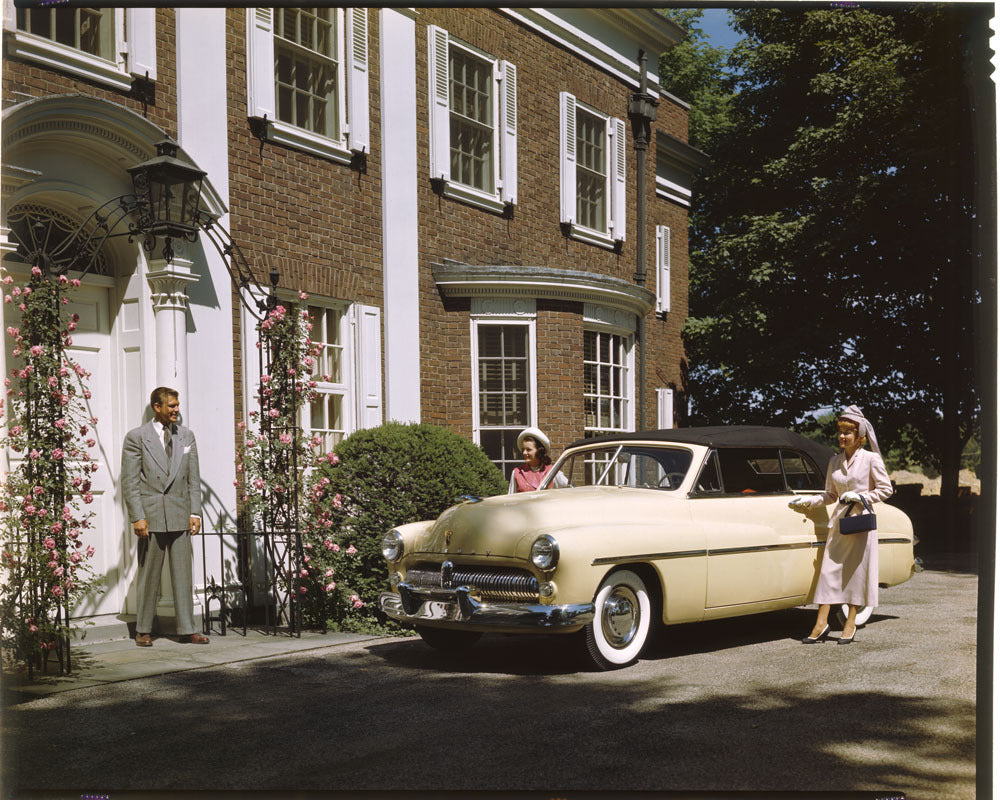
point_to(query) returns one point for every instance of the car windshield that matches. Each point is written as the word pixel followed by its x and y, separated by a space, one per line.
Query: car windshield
pixel 639 466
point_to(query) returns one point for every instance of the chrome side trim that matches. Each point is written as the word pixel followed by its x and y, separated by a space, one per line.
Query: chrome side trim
pixel 417 604
pixel 722 551
pixel 647 557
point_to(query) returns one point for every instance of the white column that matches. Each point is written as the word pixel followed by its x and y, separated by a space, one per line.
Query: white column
pixel 401 313
pixel 168 286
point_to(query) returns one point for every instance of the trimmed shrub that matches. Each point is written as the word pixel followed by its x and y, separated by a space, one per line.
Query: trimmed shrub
pixel 376 479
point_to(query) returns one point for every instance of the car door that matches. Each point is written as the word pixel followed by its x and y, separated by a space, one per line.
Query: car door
pixel 759 550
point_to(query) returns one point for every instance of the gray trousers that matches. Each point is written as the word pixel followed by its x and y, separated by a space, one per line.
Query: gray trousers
pixel 177 547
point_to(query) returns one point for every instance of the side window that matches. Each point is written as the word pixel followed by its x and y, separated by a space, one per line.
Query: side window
pixel 709 481
pixel 751 470
pixel 800 472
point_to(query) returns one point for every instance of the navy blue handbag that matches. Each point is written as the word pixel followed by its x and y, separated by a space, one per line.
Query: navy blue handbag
pixel 859 523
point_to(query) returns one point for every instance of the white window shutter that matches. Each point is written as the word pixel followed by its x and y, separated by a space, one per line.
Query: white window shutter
pixel 251 357
pixel 440 100
pixel 357 79
pixel 662 268
pixel 141 30
pixel 368 365
pixel 567 157
pixel 664 408
pixel 617 179
pixel 508 138
pixel 260 62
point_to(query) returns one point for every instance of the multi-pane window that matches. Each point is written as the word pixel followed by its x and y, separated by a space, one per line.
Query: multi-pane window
pixel 471 89
pixel 606 388
pixel 472 123
pixel 90 30
pixel 504 391
pixel 591 171
pixel 328 410
pixel 306 69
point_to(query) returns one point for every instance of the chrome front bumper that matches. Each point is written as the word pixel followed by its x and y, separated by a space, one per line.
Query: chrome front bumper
pixel 430 604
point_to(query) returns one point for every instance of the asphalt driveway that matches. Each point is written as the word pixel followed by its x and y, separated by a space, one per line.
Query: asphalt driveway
pixel 722 706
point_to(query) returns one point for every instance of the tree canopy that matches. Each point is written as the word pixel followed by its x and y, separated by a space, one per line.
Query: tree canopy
pixel 835 245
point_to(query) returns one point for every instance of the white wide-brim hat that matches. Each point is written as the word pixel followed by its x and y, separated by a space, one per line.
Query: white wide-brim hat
pixel 537 435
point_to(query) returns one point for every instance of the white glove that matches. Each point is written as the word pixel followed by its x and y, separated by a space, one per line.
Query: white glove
pixel 850 497
pixel 799 503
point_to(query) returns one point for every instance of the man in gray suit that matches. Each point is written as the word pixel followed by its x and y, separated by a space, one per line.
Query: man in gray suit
pixel 162 488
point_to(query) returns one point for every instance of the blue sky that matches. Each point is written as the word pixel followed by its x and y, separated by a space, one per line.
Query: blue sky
pixel 715 23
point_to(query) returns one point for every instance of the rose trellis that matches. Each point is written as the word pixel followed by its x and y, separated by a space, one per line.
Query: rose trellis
pixel 48 431
pixel 273 455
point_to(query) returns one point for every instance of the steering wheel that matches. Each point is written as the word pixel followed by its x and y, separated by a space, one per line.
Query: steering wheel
pixel 671 480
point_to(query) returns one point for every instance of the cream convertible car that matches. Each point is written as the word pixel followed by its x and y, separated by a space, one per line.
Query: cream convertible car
pixel 674 526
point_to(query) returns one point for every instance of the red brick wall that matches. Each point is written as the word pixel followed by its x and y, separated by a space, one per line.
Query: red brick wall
pixel 533 237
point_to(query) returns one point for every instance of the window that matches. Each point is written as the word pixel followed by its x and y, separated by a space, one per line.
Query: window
pixel 88 29
pixel 592 173
pixel 307 73
pixel 88 42
pixel 662 269
pixel 800 472
pixel 473 123
pixel 504 389
pixel 607 387
pixel 327 415
pixel 347 370
pixel 750 470
pixel 306 69
pixel 639 466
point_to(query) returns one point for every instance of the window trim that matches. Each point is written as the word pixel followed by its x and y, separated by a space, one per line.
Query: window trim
pixel 353 74
pixel 614 181
pixel 527 320
pixel 504 107
pixel 628 416
pixel 61 57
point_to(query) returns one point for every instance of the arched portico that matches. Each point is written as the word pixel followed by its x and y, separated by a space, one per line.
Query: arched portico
pixel 64 156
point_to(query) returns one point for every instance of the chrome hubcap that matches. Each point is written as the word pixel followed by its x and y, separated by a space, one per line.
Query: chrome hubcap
pixel 620 617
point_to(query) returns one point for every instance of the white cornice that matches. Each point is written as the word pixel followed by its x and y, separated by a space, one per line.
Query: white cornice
pixel 455 279
pixel 596 51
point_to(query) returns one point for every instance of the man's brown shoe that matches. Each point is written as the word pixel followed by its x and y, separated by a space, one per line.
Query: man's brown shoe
pixel 194 638
pixel 143 640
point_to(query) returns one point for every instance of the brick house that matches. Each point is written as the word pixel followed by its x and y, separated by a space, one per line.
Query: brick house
pixel 456 189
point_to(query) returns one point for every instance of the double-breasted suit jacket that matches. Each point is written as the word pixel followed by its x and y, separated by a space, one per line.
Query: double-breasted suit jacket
pixel 164 493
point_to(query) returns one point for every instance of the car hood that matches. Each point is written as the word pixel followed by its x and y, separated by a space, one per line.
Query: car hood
pixel 506 525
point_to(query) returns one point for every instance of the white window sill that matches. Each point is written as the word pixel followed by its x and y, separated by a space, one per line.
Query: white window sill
pixel 590 236
pixel 474 197
pixel 66 59
pixel 283 133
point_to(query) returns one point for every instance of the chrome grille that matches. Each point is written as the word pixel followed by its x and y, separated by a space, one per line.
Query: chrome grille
pixel 491 583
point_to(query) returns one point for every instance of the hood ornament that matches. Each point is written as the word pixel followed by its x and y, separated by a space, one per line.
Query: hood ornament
pixel 447 537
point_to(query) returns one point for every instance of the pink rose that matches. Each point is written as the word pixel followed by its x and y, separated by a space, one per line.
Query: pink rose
pixel 330 586
pixel 59 571
pixel 33 628
pixel 34 455
pixel 49 543
pixel 90 551
pixel 60 423
pixel 332 459
pixel 303 590
pixel 274 413
pixel 36 272
pixel 356 601
pixel 76 558
pixel 329 573
pixel 337 501
pixel 58 453
pixel 56 527
pixel 75 283
pixel 285 438
pixel 303 573
pixel 36 350
pixel 63 280
pixel 88 498
pixel 258 483
pixel 351 550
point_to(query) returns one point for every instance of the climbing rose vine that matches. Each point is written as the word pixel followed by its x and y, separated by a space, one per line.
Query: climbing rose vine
pixel 48 434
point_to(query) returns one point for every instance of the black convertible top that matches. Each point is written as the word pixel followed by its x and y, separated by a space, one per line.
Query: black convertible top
pixel 722 436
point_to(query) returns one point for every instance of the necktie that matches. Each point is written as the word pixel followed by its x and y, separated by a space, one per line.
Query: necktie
pixel 168 443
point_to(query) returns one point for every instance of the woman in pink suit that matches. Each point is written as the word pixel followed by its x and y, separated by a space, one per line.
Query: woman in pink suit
pixel 849 571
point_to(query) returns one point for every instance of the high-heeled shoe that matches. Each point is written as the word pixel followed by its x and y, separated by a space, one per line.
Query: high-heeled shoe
pixel 814 639
pixel 847 639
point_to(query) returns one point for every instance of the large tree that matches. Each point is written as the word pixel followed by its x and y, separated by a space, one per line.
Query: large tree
pixel 836 249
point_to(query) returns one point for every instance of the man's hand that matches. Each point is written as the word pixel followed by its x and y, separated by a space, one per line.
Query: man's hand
pixel 195 526
pixel 140 528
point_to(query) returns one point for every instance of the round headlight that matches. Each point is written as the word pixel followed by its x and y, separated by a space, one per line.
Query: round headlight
pixel 392 546
pixel 545 552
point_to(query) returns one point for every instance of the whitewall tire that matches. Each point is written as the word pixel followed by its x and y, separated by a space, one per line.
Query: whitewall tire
pixel 621 624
